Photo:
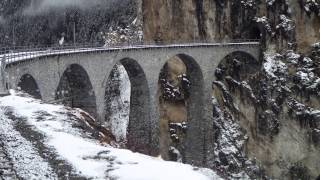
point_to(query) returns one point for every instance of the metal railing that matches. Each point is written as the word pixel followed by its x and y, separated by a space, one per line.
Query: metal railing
pixel 13 54
pixel 16 53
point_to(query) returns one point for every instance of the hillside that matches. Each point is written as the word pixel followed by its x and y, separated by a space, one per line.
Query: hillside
pixel 44 23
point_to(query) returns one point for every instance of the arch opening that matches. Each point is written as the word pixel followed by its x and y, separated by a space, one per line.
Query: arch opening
pixel 127 105
pixel 181 104
pixel 75 90
pixel 238 73
pixel 237 65
pixel 253 31
pixel 29 85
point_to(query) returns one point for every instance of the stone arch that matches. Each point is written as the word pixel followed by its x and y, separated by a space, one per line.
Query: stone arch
pixel 238 65
pixel 29 85
pixel 138 135
pixel 190 102
pixel 75 89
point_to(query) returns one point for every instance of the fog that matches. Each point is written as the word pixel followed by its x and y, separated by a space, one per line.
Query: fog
pixel 40 6
pixel 1 20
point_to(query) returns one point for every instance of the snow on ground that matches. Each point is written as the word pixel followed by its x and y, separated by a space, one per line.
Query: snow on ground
pixel 87 156
pixel 27 163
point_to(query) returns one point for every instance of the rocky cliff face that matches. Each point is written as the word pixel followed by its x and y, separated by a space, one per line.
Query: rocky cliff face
pixel 266 113
pixel 276 105
pixel 279 24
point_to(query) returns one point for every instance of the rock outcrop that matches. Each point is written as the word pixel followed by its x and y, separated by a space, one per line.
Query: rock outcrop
pixel 276 104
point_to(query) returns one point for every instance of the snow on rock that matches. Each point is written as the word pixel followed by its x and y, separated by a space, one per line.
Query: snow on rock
pixel 292 57
pixel 307 116
pixel 273 66
pixel 305 77
pixel 229 143
pixel 312 6
pixel 86 155
pixel 286 24
pixel 305 68
pixel 248 3
pixel 265 23
pixel 270 2
pixel 315 86
pixel 316 45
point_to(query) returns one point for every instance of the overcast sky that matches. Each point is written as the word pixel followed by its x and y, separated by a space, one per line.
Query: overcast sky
pixel 39 6
pixel 64 3
pixel 1 20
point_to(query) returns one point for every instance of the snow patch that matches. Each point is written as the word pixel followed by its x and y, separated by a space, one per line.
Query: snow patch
pixel 270 2
pixel 88 157
pixel 273 65
pixel 316 45
pixel 285 24
pixel 265 22
pixel 292 57
pixel 26 161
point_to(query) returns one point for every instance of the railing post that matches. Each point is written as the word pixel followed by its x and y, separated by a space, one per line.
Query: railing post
pixel 3 86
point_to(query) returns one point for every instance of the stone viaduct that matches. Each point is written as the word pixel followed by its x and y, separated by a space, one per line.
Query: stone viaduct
pixel 86 73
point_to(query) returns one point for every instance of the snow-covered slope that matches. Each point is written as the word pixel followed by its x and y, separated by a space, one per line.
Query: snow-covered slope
pixel 72 145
